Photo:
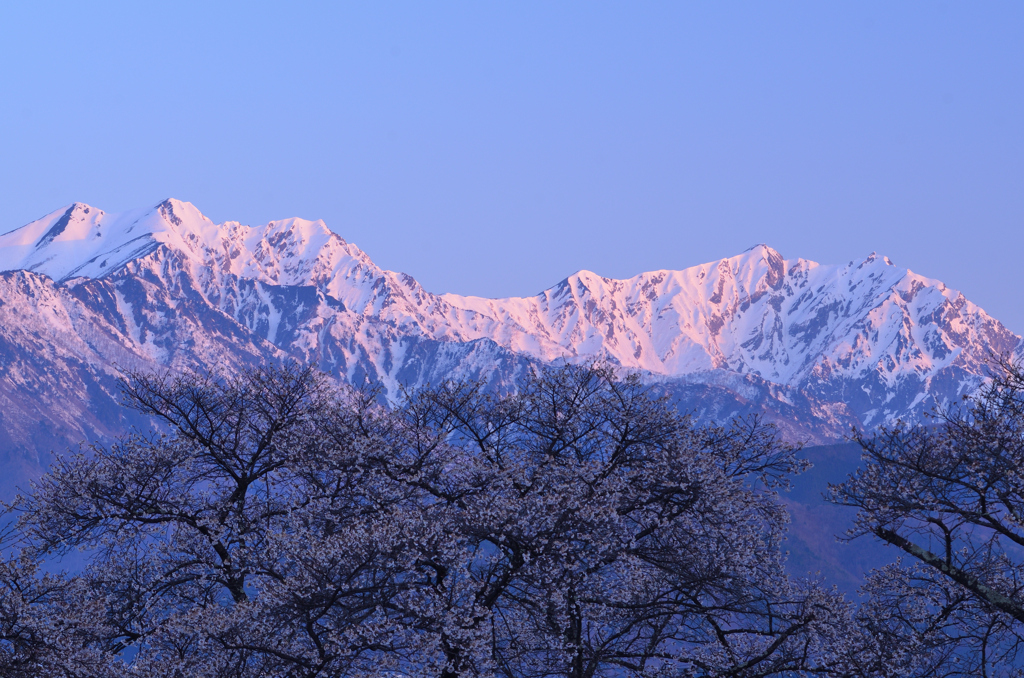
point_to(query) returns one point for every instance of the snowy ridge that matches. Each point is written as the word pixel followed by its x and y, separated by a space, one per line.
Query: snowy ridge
pixel 753 313
pixel 82 241
pixel 866 342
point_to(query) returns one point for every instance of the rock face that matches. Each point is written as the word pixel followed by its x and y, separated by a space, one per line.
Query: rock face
pixel 817 348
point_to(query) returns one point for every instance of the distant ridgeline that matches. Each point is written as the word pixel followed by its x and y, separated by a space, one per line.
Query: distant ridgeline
pixel 815 348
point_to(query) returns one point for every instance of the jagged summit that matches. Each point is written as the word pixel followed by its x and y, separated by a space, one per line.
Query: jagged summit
pixel 83 241
pixel 879 339
pixel 753 313
pixel 763 249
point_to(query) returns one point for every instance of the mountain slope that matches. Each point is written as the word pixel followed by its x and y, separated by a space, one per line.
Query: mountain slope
pixel 867 324
pixel 818 348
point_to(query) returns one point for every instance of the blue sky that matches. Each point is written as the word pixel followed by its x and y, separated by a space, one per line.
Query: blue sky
pixel 494 148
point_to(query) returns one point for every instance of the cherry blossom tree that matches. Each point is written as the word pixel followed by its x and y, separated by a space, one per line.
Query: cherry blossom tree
pixel 278 525
pixel 950 498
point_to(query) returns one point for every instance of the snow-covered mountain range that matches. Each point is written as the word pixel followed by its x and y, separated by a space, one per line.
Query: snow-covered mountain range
pixel 816 347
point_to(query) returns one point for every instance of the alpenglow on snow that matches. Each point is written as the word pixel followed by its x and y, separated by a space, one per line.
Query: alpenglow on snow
pixel 814 347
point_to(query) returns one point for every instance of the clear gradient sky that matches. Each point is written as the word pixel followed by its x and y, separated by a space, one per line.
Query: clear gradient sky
pixel 493 148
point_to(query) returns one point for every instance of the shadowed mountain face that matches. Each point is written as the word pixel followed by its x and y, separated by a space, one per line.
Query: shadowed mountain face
pixel 815 348
pixel 816 541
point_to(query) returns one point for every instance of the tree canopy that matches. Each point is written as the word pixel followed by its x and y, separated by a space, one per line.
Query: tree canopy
pixel 277 524
pixel 950 498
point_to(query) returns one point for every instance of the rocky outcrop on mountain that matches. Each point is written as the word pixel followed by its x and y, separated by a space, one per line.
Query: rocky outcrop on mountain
pixel 85 294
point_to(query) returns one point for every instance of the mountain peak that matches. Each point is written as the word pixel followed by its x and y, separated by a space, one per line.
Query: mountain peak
pixel 761 252
pixel 763 249
pixel 176 212
pixel 81 241
pixel 875 334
